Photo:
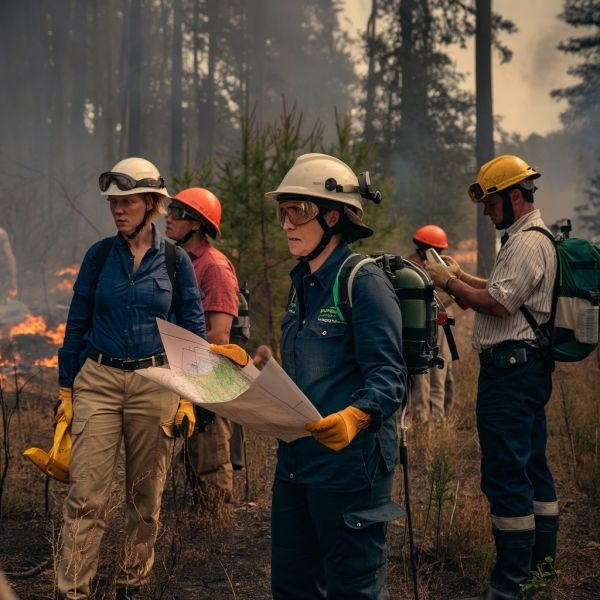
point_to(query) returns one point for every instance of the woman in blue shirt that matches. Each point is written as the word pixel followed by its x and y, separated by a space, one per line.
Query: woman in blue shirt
pixel 332 490
pixel 111 331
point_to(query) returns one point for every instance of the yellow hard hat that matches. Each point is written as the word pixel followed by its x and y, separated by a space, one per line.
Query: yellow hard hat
pixel 499 174
pixel 56 462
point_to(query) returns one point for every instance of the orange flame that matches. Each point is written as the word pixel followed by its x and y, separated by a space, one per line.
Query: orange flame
pixel 51 362
pixel 71 271
pixel 35 325
pixel 68 274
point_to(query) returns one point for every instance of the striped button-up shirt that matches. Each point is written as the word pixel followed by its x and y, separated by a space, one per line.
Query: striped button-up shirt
pixel 523 274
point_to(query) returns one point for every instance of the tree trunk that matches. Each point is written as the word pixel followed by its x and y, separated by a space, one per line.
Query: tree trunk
pixel 210 109
pixel 256 36
pixel 176 74
pixel 371 76
pixel 134 78
pixel 486 238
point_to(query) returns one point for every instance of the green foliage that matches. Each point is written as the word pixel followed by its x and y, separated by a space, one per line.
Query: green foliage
pixel 439 476
pixel 252 238
pixel 484 556
pixel 539 585
pixel 589 212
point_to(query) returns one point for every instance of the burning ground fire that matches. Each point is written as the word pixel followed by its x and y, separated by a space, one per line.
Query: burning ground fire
pixel 34 327
pixel 27 340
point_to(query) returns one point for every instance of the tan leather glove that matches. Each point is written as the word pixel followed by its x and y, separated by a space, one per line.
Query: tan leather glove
pixel 232 351
pixel 440 274
pixel 64 407
pixel 452 265
pixel 185 409
pixel 471 280
pixel 337 430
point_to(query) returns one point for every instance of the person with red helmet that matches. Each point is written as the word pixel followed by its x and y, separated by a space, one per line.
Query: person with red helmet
pixel 194 216
pixel 433 392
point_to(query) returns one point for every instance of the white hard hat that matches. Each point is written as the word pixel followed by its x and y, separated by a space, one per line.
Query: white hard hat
pixel 320 176
pixel 134 170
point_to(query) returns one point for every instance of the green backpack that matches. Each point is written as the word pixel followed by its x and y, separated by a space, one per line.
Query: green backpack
pixel 420 309
pixel 572 331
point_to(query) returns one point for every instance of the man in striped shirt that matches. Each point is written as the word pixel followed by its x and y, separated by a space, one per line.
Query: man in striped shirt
pixel 515 378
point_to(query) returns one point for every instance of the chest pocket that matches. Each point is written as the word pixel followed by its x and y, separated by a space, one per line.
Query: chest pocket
pixel 327 346
pixel 162 293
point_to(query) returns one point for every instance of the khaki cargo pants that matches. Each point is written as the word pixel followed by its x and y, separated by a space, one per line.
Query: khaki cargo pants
pixel 111 405
pixel 210 460
pixel 428 397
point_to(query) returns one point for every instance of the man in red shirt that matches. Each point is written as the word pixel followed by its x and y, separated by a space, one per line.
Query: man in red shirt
pixel 194 215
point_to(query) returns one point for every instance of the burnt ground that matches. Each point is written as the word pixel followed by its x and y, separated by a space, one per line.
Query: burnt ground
pixel 225 554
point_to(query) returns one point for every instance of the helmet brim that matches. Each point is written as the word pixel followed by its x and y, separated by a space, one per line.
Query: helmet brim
pixel 113 190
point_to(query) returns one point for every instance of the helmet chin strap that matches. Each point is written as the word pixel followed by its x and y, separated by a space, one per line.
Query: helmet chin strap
pixel 139 227
pixel 327 235
pixel 185 238
pixel 508 214
pixel 189 234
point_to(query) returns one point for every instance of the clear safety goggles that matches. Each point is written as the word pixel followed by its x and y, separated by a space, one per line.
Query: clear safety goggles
pixel 179 212
pixel 297 211
pixel 125 183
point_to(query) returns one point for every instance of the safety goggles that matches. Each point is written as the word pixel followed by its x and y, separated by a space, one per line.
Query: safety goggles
pixel 476 192
pixel 179 212
pixel 125 182
pixel 298 212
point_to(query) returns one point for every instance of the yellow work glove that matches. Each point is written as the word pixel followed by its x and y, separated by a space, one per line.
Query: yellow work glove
pixel 64 406
pixel 440 274
pixel 185 419
pixel 232 351
pixel 336 431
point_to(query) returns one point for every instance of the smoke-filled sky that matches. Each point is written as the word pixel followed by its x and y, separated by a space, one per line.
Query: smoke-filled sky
pixel 522 86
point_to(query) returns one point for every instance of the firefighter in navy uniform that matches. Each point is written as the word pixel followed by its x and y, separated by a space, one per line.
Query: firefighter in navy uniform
pixel 331 495
pixel 515 378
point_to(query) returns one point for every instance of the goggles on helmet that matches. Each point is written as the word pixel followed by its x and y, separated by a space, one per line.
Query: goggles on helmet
pixel 124 182
pixel 476 192
pixel 179 212
pixel 298 212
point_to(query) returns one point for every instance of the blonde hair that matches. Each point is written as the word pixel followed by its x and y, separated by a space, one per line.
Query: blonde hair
pixel 158 206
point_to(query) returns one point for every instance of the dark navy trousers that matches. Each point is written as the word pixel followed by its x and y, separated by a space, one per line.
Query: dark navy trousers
pixel 511 422
pixel 330 544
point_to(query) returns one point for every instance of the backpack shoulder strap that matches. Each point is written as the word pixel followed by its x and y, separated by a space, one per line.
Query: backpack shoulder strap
pixel 100 258
pixel 543 334
pixel 171 264
pixel 342 286
pixel 542 230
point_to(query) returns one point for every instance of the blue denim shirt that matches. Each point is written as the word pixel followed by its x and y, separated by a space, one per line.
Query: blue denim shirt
pixel 338 364
pixel 119 319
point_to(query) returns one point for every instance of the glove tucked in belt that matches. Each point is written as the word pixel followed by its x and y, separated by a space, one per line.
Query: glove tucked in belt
pixel 185 419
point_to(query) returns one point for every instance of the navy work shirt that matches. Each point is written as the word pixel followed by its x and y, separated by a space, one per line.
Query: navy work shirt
pixel 338 364
pixel 118 318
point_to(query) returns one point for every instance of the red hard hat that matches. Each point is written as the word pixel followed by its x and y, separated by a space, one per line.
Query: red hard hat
pixel 432 236
pixel 203 202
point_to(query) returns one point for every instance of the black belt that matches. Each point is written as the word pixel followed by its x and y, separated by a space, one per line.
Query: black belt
pixel 507 354
pixel 127 364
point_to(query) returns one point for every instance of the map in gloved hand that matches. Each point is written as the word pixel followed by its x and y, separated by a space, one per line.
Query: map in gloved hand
pixel 267 401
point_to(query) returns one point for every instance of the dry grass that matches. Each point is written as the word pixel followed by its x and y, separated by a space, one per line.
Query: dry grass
pixel 225 553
